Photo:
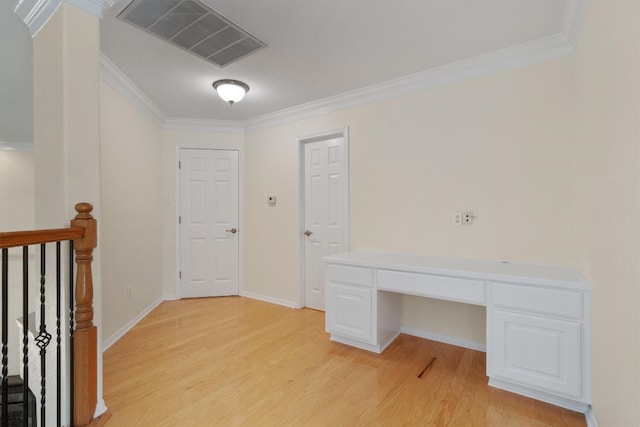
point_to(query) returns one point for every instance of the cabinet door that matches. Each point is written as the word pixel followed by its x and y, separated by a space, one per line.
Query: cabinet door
pixel 537 351
pixel 349 311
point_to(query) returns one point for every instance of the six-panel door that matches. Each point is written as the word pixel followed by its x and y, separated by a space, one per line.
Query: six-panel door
pixel 208 222
pixel 325 187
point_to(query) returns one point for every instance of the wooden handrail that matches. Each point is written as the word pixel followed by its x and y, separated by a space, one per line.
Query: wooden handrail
pixel 13 239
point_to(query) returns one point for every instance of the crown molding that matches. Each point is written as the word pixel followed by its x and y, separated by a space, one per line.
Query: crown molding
pixel 36 13
pixel 110 3
pixel 556 46
pixel 204 125
pixel 94 7
pixel 562 44
pixel 16 146
pixel 501 60
pixel 115 78
pixel 573 19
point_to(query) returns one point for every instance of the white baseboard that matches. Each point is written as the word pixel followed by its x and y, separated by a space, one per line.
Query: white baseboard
pixel 590 418
pixel 171 297
pixel 126 328
pixel 538 394
pixel 101 408
pixel 272 300
pixel 443 338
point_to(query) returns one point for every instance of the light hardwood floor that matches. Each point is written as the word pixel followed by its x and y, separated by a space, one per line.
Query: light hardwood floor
pixel 235 361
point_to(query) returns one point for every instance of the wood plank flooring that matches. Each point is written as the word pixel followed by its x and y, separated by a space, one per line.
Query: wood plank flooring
pixel 239 362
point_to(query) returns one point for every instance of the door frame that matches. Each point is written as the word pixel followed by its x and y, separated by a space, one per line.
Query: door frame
pixel 178 200
pixel 339 133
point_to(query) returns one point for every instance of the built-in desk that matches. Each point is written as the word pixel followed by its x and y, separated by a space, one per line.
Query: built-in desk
pixel 538 331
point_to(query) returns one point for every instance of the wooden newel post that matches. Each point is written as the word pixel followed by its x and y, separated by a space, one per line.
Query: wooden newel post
pixel 85 335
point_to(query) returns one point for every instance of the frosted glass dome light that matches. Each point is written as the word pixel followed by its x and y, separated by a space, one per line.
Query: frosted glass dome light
pixel 231 91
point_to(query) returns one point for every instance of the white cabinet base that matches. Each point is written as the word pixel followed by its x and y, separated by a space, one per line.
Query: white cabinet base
pixel 570 404
pixel 351 320
pixel 378 348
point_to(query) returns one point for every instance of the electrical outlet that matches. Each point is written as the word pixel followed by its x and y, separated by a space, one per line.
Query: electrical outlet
pixel 457 218
pixel 129 294
pixel 467 217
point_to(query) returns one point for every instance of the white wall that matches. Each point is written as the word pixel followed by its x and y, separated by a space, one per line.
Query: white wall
pixel 16 190
pixel 131 191
pixel 606 176
pixel 138 239
pixel 497 145
pixel 546 156
pixel 16 79
pixel 16 213
pixel 67 134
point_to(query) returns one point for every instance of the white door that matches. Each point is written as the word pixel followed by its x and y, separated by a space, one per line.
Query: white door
pixel 325 190
pixel 208 222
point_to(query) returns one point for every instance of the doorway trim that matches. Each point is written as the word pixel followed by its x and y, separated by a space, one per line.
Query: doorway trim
pixel 339 133
pixel 177 201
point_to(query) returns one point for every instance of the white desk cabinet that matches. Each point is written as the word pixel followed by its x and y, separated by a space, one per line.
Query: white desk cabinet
pixel 538 335
pixel 358 310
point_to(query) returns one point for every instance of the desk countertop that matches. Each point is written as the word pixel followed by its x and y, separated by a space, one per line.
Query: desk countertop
pixel 544 275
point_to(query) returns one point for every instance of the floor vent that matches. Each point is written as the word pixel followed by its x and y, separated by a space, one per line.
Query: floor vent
pixel 193 26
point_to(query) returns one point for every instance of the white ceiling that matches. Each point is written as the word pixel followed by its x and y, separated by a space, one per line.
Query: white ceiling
pixel 320 54
pixel 322 48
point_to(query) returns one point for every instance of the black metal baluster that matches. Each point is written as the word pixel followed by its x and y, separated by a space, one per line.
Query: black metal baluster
pixel 5 336
pixel 58 341
pixel 25 334
pixel 71 327
pixel 43 338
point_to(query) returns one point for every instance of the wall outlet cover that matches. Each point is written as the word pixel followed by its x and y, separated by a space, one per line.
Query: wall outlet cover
pixel 467 217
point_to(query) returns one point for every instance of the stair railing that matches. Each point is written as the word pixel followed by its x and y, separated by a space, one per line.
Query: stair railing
pixel 82 238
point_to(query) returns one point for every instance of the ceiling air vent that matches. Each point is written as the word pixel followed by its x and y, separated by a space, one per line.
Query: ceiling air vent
pixel 193 26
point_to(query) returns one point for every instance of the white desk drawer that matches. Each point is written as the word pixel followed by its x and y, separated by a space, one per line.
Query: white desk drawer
pixel 427 285
pixel 554 302
pixel 350 275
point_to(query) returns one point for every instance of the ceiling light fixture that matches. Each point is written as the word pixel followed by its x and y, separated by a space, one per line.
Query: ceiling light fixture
pixel 231 91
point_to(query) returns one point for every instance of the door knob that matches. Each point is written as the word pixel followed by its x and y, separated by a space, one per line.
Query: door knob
pixel 307 233
pixel 232 231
